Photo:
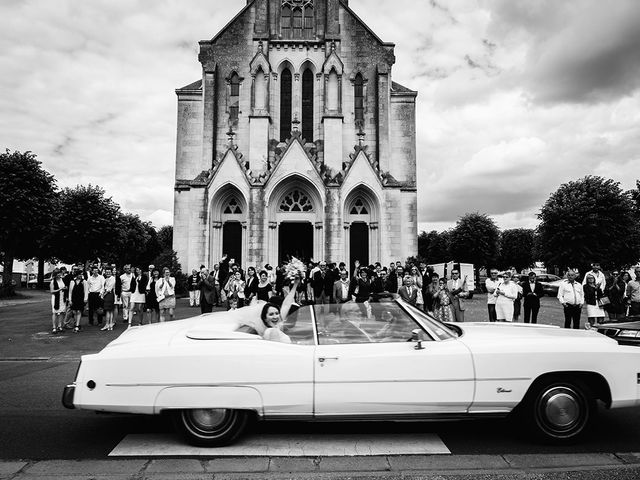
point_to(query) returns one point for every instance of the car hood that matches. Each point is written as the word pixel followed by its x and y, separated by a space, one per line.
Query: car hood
pixel 635 325
pixel 486 333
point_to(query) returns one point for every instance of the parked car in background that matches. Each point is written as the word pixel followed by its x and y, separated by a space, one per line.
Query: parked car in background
pixel 384 361
pixel 625 331
pixel 550 283
pixel 33 280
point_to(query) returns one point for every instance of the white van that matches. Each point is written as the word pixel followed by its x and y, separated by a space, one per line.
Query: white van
pixel 466 269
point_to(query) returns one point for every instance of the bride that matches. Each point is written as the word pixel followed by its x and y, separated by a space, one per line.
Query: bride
pixel 273 316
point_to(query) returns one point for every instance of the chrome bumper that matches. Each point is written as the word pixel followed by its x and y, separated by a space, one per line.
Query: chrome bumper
pixel 67 395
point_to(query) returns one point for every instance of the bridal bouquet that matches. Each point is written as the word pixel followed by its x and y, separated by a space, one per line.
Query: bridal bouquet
pixel 294 269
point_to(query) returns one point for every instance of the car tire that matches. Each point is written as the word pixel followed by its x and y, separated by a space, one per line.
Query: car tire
pixel 210 427
pixel 560 411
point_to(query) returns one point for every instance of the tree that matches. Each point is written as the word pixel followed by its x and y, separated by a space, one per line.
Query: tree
pixel 434 246
pixel 86 225
pixel 588 220
pixel 475 240
pixel 132 241
pixel 517 248
pixel 165 237
pixel 26 200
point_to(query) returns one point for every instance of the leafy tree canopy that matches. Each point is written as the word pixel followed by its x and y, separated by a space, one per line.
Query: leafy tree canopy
pixel 27 194
pixel 165 237
pixel 26 201
pixel 475 240
pixel 588 220
pixel 87 224
pixel 434 246
pixel 517 248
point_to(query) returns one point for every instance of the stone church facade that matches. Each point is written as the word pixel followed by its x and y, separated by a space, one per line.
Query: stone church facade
pixel 295 141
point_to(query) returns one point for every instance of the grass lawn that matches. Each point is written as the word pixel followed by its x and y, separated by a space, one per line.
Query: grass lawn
pixel 551 312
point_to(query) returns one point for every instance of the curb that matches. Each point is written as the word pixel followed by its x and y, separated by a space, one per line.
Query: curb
pixel 404 466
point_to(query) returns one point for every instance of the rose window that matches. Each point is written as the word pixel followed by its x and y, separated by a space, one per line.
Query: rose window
pixel 296 201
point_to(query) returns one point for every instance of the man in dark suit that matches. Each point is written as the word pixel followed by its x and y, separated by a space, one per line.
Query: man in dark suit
pixel 408 292
pixel 322 284
pixel 531 291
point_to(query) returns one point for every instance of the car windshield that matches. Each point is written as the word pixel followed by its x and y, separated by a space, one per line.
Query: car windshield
pixel 435 326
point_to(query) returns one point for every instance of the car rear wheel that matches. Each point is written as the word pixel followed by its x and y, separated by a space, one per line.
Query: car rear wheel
pixel 560 411
pixel 210 427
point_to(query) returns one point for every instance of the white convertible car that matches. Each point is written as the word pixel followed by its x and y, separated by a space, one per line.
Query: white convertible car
pixel 378 361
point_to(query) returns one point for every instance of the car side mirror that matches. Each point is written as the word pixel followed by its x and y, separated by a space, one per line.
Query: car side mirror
pixel 417 336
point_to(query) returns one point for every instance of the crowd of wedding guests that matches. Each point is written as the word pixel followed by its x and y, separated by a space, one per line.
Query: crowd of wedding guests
pixel 107 293
pixel 148 296
pixel 228 285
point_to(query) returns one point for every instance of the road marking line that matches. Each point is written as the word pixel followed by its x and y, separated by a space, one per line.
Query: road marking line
pixel 277 445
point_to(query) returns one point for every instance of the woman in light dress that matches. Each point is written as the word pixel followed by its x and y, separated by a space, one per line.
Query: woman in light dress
pixel 108 298
pixel 235 291
pixel 592 296
pixel 58 303
pixel 166 294
pixel 505 294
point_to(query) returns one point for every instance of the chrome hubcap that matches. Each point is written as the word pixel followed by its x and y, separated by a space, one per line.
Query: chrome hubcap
pixel 208 419
pixel 561 408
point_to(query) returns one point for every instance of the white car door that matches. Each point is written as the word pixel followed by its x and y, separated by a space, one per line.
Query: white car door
pixel 365 365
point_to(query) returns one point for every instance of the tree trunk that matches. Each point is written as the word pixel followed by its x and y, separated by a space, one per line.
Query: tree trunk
pixel 7 289
pixel 40 274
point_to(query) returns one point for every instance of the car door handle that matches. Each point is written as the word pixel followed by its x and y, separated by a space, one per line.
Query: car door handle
pixel 324 359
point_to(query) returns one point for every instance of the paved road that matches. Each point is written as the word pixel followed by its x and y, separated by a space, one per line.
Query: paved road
pixel 35 426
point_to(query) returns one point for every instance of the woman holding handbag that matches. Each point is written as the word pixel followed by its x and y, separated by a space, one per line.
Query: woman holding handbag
pixel 592 296
pixel 166 294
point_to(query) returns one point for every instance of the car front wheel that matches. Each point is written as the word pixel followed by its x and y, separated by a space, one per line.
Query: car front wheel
pixel 210 427
pixel 560 412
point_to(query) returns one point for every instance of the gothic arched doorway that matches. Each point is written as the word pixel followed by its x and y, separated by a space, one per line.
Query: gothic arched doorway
pixel 358 244
pixel 228 220
pixel 296 240
pixel 295 215
pixel 361 213
pixel 232 240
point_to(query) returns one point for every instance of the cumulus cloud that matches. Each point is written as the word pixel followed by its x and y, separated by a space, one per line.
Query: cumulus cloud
pixel 578 51
pixel 514 99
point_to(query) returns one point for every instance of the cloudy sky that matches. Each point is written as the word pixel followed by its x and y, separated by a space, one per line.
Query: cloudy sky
pixel 515 97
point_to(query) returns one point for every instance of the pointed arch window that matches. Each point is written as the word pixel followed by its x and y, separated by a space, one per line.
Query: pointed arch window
pixel 297 19
pixel 296 201
pixel 234 97
pixel 232 207
pixel 308 22
pixel 285 104
pixel 359 208
pixel 358 97
pixel 297 23
pixel 285 21
pixel 307 105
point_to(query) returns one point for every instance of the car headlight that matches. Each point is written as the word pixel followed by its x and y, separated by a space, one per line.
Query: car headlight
pixel 628 333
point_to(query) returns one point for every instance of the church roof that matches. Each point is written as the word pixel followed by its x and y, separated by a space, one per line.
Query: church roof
pixel 396 87
pixel 197 85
